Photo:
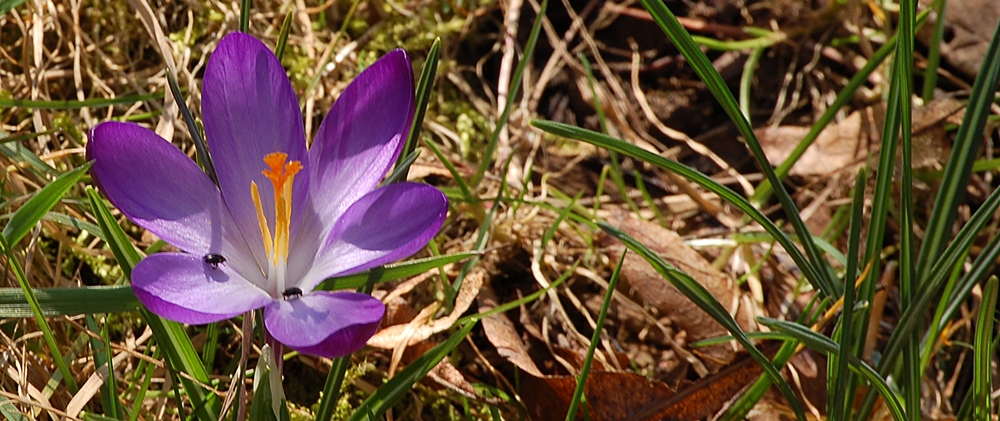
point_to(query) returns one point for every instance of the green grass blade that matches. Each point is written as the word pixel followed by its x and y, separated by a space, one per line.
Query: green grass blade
pixel 170 336
pixel 399 385
pixel 9 412
pixel 713 81
pixel 19 153
pixel 103 356
pixel 825 345
pixel 914 315
pixel 514 89
pixel 73 104
pixel 616 166
pixel 43 325
pixel 286 28
pixel 35 208
pixel 399 173
pixel 957 171
pixel 199 141
pixel 331 390
pixel 908 282
pixel 6 6
pixel 393 271
pixel 704 300
pixel 934 51
pixel 119 243
pixel 423 96
pixel 840 378
pixel 581 380
pixel 982 382
pixel 68 301
pixel 245 7
pixel 726 194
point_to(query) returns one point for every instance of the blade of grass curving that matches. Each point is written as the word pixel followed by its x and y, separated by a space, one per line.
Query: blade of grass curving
pixel 696 177
pixel 394 271
pixel 616 167
pixel 399 385
pixel 73 104
pixel 402 168
pixel 841 379
pixel 170 336
pixel 908 283
pixel 423 96
pixel 245 6
pixel 934 51
pixel 515 88
pixel 43 324
pixel 764 190
pixel 704 300
pixel 199 141
pixel 981 268
pixel 713 81
pixel 825 345
pixel 581 380
pixel 957 171
pixel 982 382
pixel 746 81
pixel 348 19
pixel 286 28
pixel 462 185
pixel 35 208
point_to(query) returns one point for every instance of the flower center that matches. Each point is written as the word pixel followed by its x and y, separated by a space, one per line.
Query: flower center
pixel 281 172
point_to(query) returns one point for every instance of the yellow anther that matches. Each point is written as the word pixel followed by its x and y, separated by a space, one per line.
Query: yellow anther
pixel 281 172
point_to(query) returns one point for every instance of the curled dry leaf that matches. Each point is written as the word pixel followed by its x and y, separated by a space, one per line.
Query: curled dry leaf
pixel 649 288
pixel 418 331
pixel 502 334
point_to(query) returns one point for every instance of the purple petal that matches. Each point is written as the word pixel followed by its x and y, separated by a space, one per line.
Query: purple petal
pixel 162 190
pixel 183 288
pixel 362 135
pixel 328 324
pixel 384 226
pixel 250 110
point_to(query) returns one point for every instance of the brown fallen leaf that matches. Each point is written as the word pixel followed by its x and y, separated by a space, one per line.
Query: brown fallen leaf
pixel 502 334
pixel 838 146
pixel 649 288
pixel 615 396
pixel 419 330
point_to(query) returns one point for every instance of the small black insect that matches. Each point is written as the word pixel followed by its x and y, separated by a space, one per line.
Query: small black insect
pixel 292 292
pixel 214 260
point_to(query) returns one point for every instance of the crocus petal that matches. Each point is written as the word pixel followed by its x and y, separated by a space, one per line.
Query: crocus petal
pixel 162 190
pixel 183 288
pixel 384 226
pixel 362 135
pixel 250 110
pixel 328 324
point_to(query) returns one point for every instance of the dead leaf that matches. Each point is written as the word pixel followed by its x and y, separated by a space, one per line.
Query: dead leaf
pixel 613 396
pixel 838 146
pixel 650 288
pixel 417 330
pixel 502 334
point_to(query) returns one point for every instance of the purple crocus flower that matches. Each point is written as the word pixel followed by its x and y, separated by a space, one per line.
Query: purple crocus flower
pixel 283 217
